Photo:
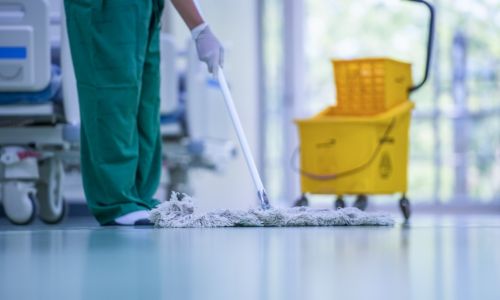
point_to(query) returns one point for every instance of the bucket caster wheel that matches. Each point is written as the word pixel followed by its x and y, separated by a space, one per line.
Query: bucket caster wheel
pixel 339 202
pixel 404 204
pixel 361 202
pixel 302 201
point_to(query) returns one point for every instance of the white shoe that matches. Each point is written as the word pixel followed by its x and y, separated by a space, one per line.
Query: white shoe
pixel 140 217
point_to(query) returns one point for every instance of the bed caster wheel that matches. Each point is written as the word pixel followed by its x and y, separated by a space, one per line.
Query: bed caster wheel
pixel 54 214
pixel 361 202
pixel 52 207
pixel 19 204
pixel 404 204
pixel 302 201
pixel 339 202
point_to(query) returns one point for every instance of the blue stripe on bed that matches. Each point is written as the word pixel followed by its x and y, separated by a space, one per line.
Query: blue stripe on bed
pixel 13 52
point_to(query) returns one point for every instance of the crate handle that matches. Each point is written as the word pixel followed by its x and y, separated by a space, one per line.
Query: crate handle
pixel 430 42
pixel 349 172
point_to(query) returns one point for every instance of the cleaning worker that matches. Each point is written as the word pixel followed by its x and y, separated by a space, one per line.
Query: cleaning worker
pixel 116 56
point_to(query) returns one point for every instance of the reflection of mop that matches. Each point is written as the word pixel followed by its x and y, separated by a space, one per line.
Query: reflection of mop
pixel 179 211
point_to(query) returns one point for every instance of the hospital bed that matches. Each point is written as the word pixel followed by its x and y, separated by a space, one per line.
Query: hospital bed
pixel 39 115
pixel 35 131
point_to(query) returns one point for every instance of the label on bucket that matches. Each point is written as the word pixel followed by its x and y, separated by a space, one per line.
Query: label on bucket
pixel 385 166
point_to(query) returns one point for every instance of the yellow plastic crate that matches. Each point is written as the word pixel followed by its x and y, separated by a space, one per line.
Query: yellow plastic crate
pixel 371 85
pixel 355 155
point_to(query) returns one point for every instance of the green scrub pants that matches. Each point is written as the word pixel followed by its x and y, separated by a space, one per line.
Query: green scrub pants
pixel 116 57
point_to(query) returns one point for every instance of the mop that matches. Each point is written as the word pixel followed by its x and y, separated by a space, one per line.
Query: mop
pixel 180 210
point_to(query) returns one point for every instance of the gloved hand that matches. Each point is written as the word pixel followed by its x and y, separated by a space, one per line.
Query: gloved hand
pixel 208 47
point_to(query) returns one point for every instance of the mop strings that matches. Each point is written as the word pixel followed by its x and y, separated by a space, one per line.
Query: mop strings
pixel 181 213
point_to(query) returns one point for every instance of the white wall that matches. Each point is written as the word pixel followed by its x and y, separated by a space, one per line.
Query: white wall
pixel 235 23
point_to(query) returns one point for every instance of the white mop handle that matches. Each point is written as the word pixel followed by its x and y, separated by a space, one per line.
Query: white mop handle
pixel 228 99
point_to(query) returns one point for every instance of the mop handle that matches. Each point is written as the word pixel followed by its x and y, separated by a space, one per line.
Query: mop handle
pixel 228 99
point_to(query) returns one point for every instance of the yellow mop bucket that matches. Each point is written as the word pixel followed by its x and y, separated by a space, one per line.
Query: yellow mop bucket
pixel 355 154
pixel 360 146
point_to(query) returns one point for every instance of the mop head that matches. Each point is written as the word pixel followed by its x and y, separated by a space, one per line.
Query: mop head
pixel 179 212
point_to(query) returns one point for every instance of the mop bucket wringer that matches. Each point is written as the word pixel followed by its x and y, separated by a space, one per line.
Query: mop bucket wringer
pixel 370 86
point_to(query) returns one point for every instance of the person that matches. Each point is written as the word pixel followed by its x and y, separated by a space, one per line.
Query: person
pixel 116 56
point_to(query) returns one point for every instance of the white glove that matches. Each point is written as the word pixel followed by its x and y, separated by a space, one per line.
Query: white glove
pixel 209 49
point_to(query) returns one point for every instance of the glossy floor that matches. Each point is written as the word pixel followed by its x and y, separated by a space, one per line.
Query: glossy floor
pixel 437 257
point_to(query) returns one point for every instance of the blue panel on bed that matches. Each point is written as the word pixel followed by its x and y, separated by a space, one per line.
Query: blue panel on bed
pixel 50 94
pixel 13 53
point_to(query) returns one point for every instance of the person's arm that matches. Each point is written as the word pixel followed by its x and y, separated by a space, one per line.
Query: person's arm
pixel 189 12
pixel 208 46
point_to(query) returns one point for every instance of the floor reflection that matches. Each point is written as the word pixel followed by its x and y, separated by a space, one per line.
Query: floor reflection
pixel 434 258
